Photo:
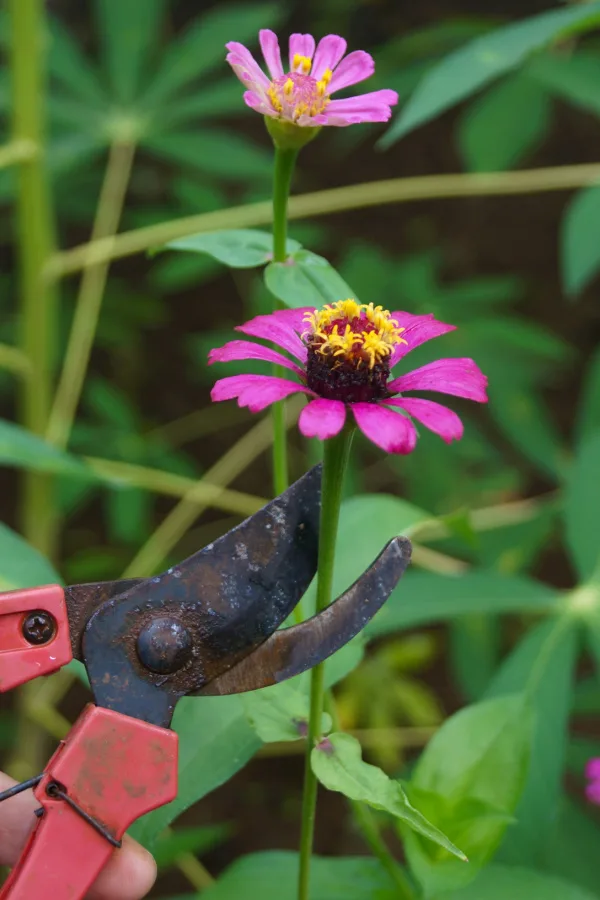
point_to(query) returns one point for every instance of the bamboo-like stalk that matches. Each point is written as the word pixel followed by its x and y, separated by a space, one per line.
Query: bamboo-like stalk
pixel 334 200
pixel 35 246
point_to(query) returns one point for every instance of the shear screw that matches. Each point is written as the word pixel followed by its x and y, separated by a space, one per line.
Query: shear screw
pixel 39 627
pixel 164 646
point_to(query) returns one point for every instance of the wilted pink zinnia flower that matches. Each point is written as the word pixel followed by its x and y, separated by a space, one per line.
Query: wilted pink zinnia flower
pixel 592 773
pixel 343 356
pixel 302 94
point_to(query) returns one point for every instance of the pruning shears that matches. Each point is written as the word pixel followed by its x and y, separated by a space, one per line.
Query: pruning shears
pixel 209 625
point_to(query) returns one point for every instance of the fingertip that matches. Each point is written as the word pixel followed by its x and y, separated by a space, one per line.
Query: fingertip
pixel 129 875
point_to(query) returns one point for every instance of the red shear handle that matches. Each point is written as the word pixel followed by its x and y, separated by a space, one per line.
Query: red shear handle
pixel 115 769
pixel 34 634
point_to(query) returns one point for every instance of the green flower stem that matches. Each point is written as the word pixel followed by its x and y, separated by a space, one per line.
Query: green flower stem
pixel 335 458
pixel 285 161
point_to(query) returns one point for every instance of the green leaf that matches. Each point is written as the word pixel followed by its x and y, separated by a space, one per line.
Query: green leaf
pixel 306 279
pixel 571 76
pixel 472 773
pixel 582 509
pixel 172 845
pixel 20 564
pixel 202 47
pixel 573 850
pixel 474 651
pixel 515 883
pixel 579 247
pixel 129 32
pixel 24 450
pixel 423 597
pixel 274 876
pixel 338 764
pixel 469 68
pixel 542 667
pixel 223 154
pixel 215 741
pixel 240 249
pixel 501 127
pixel 588 411
pixel 524 418
pixel 71 68
pixel 280 713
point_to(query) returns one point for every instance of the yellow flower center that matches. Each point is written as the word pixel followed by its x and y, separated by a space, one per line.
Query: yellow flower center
pixel 351 331
pixel 298 93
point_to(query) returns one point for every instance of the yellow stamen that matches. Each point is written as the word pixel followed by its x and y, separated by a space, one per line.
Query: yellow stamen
pixel 373 343
pixel 303 63
pixel 288 88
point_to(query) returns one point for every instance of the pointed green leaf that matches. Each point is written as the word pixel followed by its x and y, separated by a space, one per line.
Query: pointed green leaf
pixel 202 47
pixel 588 411
pixel 501 127
pixel 24 450
pixel 337 762
pixel 542 667
pixel 423 597
pixel 582 509
pixel 306 279
pixel 579 247
pixel 224 154
pixel 215 741
pixel 471 776
pixel 274 876
pixel 572 76
pixel 20 564
pixel 471 67
pixel 243 248
pixel 71 67
pixel 129 32
pixel 280 713
pixel 515 883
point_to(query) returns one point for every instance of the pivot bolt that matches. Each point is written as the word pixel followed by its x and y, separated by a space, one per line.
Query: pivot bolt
pixel 39 627
pixel 164 646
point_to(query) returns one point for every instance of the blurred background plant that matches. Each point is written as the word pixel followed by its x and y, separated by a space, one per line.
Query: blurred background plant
pixel 126 112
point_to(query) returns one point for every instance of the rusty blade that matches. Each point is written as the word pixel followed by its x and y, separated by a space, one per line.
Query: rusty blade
pixel 227 599
pixel 83 599
pixel 294 650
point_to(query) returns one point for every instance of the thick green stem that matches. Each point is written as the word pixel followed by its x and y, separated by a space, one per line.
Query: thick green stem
pixel 35 249
pixel 335 458
pixel 89 300
pixel 282 180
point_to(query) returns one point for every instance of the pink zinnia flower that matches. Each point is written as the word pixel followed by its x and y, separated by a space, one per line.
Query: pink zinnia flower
pixel 592 773
pixel 343 356
pixel 302 94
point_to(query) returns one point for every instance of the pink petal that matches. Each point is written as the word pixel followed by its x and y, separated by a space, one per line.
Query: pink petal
pixel 391 431
pixel 241 60
pixel 592 792
pixel 330 50
pixel 370 107
pixel 417 330
pixel 354 68
pixel 295 318
pixel 592 769
pixel 460 377
pixel 248 350
pixel 271 52
pixel 322 418
pixel 437 418
pixel 255 391
pixel 276 329
pixel 304 44
pixel 260 104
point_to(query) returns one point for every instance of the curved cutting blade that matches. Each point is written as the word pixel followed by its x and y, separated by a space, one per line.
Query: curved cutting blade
pixel 294 650
pixel 228 598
